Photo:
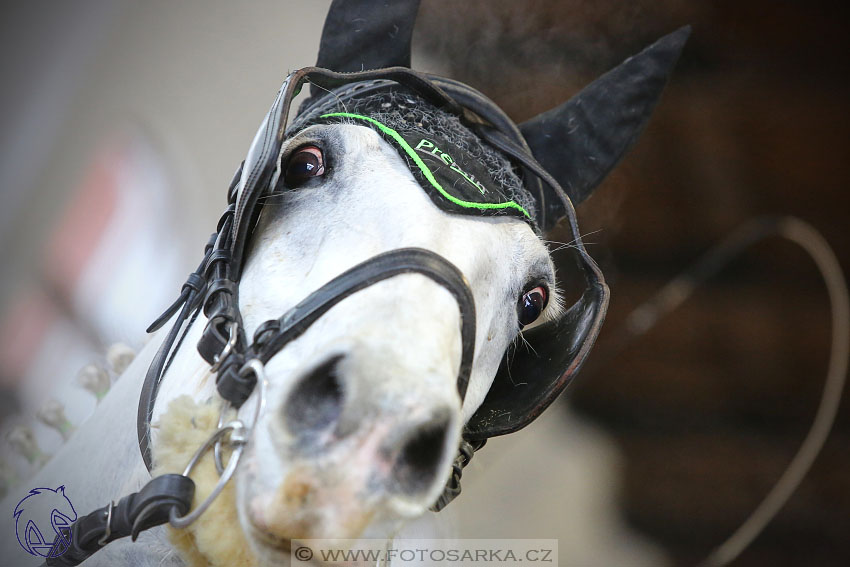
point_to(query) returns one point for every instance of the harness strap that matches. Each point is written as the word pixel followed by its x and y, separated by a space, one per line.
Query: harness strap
pixel 134 513
pixel 220 302
pixel 275 334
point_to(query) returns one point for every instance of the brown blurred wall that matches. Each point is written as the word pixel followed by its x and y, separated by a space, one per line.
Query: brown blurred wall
pixel 711 405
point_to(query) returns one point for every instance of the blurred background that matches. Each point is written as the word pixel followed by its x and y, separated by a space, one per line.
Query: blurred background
pixel 121 123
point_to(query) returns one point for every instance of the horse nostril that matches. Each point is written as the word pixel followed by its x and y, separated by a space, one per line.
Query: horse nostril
pixel 316 402
pixel 418 462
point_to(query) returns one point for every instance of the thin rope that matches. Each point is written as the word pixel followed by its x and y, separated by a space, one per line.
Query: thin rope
pixel 812 242
pixel 669 297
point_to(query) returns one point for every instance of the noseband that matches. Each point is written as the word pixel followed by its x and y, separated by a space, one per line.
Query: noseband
pixel 270 337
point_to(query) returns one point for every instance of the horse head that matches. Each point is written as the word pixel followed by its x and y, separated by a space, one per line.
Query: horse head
pixel 383 256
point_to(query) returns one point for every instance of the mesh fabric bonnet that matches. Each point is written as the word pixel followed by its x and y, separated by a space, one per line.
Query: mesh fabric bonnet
pixel 460 172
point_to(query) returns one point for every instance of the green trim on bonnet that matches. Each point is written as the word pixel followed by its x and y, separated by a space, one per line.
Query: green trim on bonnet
pixel 423 167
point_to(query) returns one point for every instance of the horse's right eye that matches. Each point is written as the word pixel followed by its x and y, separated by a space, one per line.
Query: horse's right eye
pixel 304 164
pixel 531 305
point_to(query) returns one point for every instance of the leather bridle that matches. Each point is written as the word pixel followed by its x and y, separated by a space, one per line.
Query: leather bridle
pixel 214 286
pixel 238 364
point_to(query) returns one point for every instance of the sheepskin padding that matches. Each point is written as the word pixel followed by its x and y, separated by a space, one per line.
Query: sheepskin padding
pixel 216 538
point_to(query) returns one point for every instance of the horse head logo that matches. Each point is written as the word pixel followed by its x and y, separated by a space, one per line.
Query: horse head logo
pixel 32 514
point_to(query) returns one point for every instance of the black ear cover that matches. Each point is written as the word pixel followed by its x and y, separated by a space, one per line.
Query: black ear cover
pixel 367 34
pixel 582 140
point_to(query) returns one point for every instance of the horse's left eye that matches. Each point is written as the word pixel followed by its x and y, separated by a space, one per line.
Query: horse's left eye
pixel 531 305
pixel 304 164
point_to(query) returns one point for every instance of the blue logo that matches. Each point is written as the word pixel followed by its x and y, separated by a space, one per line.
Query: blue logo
pixel 41 508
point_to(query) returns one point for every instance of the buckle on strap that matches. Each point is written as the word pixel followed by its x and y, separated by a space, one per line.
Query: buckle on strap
pixel 233 336
pixel 214 341
pixel 134 513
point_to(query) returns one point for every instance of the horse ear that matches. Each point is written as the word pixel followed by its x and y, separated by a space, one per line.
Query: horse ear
pixel 367 34
pixel 580 141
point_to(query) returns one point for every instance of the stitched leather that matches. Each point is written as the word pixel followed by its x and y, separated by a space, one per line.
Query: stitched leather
pixel 133 514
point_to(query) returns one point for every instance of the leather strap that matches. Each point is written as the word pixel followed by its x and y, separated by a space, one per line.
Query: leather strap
pixel 132 515
pixel 274 335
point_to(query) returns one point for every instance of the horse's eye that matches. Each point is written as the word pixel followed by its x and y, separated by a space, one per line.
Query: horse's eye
pixel 304 164
pixel 531 305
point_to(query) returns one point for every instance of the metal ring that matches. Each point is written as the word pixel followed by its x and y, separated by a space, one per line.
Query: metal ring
pixel 217 451
pixel 235 425
pixel 239 437
pixel 102 541
pixel 233 333
pixel 184 521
